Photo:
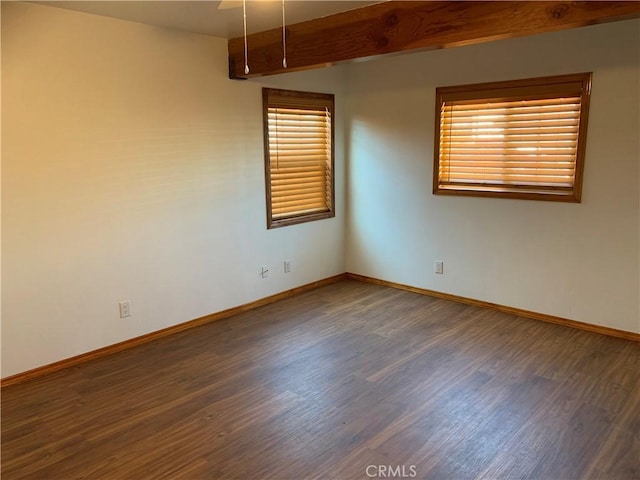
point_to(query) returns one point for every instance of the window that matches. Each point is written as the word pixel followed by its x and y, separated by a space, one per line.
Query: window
pixel 298 146
pixel 520 139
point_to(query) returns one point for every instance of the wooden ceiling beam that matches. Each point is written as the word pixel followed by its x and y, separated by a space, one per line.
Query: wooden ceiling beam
pixel 400 26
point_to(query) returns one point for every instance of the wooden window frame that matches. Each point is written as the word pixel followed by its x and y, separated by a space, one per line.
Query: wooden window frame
pixel 529 89
pixel 272 97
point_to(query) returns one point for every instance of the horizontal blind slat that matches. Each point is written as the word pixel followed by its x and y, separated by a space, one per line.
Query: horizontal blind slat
pixel 482 109
pixel 297 172
pixel 506 159
pixel 498 164
pixel 514 179
pixel 298 205
pixel 480 105
pixel 505 173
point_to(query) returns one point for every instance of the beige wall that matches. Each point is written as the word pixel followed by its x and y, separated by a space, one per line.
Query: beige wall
pixel 579 261
pixel 133 169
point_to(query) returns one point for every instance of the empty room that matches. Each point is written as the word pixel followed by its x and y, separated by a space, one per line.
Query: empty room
pixel 320 240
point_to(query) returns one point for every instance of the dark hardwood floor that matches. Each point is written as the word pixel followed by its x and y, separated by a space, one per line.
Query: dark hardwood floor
pixel 342 382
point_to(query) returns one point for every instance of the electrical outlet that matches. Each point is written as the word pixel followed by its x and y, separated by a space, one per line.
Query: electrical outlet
pixel 287 266
pixel 264 272
pixel 439 267
pixel 125 308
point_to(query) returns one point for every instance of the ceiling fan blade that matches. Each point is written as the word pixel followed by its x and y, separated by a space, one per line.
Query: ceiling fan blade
pixel 225 4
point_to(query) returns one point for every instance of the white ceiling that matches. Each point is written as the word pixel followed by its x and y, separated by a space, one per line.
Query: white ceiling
pixel 205 17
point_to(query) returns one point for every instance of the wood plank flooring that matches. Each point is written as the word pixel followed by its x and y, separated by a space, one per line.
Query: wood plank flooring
pixel 349 381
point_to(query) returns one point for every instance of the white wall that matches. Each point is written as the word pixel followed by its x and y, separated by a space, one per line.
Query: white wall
pixel 132 168
pixel 579 261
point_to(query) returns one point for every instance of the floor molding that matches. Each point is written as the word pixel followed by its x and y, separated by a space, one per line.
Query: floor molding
pixel 117 347
pixel 612 332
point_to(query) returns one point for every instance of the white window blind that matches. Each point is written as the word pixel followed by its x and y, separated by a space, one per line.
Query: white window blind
pixel 518 138
pixel 299 159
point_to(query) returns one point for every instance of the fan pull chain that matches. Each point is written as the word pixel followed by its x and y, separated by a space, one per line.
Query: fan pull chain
pixel 284 39
pixel 246 50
